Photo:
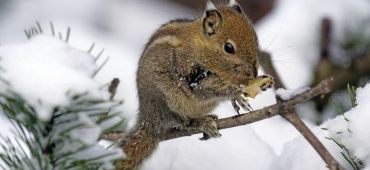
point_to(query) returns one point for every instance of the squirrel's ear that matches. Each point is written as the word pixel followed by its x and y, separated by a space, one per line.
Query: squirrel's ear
pixel 211 22
pixel 210 6
pixel 235 5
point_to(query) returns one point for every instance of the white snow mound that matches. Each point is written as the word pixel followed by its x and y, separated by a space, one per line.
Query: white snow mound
pixel 45 70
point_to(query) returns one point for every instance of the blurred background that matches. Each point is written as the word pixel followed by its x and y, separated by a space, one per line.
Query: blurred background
pixel 308 40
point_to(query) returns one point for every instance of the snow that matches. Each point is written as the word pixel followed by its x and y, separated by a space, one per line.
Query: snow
pixel 352 126
pixel 237 148
pixel 349 130
pixel 290 33
pixel 47 73
pixel 45 70
pixel 288 94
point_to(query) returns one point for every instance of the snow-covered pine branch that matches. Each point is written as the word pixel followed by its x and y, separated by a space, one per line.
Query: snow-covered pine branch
pixel 58 110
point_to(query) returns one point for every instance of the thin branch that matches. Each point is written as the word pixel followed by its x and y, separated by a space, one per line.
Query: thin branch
pixel 288 112
pixel 321 89
pixel 326 29
pixel 290 115
pixel 343 76
pixel 112 89
pixel 267 112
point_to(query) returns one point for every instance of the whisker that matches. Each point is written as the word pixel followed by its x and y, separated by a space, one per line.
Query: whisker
pixel 268 45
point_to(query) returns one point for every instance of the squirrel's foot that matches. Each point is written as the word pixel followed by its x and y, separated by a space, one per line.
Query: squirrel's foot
pixel 207 125
pixel 240 101
pixel 268 83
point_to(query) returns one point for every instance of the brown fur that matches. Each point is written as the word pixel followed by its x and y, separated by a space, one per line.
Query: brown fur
pixel 165 100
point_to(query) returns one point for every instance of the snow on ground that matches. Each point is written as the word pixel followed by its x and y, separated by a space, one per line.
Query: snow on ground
pixel 347 132
pixel 352 130
pixel 238 148
pixel 122 28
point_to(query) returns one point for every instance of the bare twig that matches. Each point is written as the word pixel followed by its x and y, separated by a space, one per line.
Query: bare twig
pixel 321 89
pixel 288 112
pixel 267 112
pixel 326 29
pixel 112 89
pixel 343 76
pixel 290 115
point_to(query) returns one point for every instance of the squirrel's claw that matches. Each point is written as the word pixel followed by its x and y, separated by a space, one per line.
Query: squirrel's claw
pixel 235 105
pixel 208 126
pixel 242 102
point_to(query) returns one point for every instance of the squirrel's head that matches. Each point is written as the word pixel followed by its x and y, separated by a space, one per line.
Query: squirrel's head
pixel 227 44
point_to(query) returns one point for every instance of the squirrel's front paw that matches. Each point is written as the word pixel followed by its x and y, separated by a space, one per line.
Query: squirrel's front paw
pixel 256 85
pixel 267 82
pixel 208 126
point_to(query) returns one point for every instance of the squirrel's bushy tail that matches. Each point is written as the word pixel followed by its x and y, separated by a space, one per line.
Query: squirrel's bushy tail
pixel 138 145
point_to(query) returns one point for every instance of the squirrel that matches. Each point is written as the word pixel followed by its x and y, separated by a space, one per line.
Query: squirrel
pixel 186 69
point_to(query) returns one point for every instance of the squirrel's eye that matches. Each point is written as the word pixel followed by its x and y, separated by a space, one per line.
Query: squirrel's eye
pixel 237 8
pixel 229 48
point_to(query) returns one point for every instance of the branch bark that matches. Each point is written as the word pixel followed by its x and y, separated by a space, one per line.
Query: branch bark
pixel 238 120
pixel 291 116
pixel 288 112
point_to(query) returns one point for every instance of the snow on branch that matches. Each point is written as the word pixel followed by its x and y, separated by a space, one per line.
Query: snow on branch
pixel 56 107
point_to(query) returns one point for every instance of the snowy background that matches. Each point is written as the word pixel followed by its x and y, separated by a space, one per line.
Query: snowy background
pixel 289 32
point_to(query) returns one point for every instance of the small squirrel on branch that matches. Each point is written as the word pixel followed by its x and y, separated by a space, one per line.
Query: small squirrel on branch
pixel 186 69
